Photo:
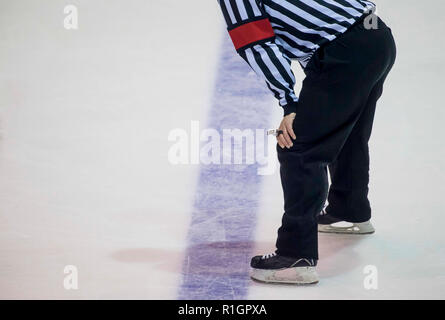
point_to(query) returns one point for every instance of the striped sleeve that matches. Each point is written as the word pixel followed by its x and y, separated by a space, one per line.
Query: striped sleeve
pixel 254 39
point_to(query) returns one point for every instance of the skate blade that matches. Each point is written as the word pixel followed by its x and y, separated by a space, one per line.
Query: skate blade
pixel 351 228
pixel 297 276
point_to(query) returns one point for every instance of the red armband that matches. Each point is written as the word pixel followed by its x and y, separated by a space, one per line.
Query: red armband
pixel 251 32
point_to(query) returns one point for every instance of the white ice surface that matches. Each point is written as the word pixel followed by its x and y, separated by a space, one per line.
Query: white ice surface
pixel 84 176
pixel 84 120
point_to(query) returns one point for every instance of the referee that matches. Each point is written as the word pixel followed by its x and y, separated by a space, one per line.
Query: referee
pixel 346 53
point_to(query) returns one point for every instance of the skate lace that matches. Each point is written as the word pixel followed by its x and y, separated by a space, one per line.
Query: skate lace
pixel 269 255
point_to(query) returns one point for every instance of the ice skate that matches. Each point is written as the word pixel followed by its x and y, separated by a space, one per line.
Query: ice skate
pixel 329 224
pixel 273 268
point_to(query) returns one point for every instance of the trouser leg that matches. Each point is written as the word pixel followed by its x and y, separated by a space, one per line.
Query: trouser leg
pixel 321 128
pixel 341 80
pixel 305 188
pixel 348 193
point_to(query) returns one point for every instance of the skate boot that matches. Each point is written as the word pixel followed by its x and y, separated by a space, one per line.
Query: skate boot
pixel 330 224
pixel 273 268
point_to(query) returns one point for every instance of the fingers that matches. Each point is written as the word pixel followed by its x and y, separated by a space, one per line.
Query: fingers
pixel 281 141
pixel 284 139
pixel 289 128
pixel 287 139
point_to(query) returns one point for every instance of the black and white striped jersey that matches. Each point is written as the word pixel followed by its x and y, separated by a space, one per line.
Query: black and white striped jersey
pixel 268 34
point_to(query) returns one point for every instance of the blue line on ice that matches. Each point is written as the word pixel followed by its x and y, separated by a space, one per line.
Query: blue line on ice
pixel 221 233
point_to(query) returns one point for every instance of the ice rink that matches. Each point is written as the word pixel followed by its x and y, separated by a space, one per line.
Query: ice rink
pixel 86 181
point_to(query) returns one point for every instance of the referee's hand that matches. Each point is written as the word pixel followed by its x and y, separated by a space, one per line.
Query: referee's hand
pixel 284 139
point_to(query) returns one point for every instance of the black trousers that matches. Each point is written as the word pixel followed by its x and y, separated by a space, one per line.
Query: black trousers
pixel 333 123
